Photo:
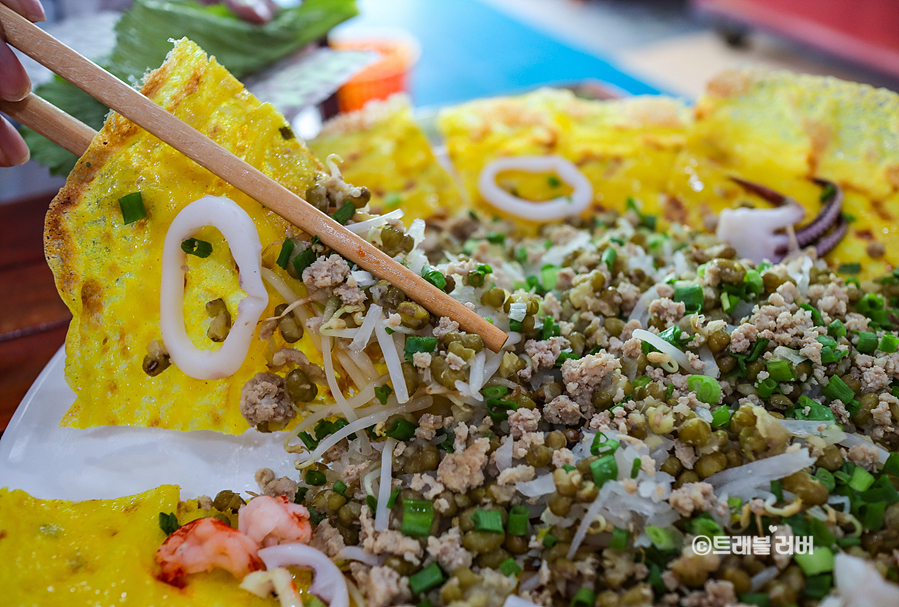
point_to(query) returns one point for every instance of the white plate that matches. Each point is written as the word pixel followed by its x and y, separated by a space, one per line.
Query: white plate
pixel 51 462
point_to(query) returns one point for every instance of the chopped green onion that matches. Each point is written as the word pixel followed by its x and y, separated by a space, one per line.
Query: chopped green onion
pixel 550 328
pixel 673 336
pixel 635 467
pixel 669 391
pixel 641 381
pixel 132 206
pixel 817 411
pixel 604 469
pixel 495 391
pixel 434 276
pixel 754 283
pixel 830 355
pixel 837 389
pixel 392 200
pixel 518 520
pixel 401 429
pixel 867 342
pixel 663 539
pixel 496 237
pixel 729 302
pixel 585 597
pixel 168 523
pixel 721 416
pixel 619 539
pixel 734 502
pixel 315 478
pixel 327 427
pixel 602 445
pixel 826 479
pixel 510 567
pixel 372 502
pixel 766 387
pixel 820 560
pixel 286 133
pixel 818 586
pixel 759 599
pixel 303 261
pixel 757 348
pixel 418 516
pixel 383 393
pixel 780 370
pixel 550 276
pixel 888 343
pixel 344 213
pixel 836 329
pixel 429 577
pixel 891 466
pixel 861 479
pixel 307 439
pixel 691 296
pixel 816 315
pixel 489 521
pixel 553 181
pixel 705 525
pixel 317 517
pixel 415 344
pixel 391 501
pixel 850 268
pixel 300 495
pixel 827 341
pixel 340 487
pixel 777 490
pixel 707 389
pixel 609 256
pixel 286 249
pixel 199 248
pixel 549 541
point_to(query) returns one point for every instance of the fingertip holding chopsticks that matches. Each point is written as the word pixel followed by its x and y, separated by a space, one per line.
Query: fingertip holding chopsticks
pixel 75 136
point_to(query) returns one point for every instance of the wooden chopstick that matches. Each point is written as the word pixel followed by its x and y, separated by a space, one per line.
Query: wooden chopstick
pixel 112 92
pixel 46 119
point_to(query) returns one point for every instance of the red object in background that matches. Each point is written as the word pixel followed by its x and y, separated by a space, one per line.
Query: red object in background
pixel 866 31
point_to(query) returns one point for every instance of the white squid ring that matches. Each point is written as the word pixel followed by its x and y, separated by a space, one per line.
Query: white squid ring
pixel 240 232
pixel 557 208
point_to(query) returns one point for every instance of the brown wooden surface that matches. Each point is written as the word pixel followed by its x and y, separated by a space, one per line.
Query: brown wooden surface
pixel 33 321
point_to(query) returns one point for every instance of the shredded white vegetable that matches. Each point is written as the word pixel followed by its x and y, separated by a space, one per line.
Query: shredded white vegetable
pixel 364 226
pixel 393 362
pixel 663 346
pixel 360 341
pixel 382 515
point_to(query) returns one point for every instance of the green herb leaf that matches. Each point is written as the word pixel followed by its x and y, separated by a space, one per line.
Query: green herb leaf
pixel 132 206
pixel 168 523
pixel 383 393
pixel 199 248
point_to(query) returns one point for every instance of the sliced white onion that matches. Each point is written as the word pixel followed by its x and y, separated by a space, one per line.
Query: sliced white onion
pixel 332 380
pixel 641 308
pixel 364 226
pixel 789 354
pixel 763 577
pixel 503 455
pixel 556 255
pixel 542 485
pixel 840 500
pixel 549 210
pixel 518 310
pixel 278 581
pixel 363 278
pixel 355 553
pixel 382 515
pixel 517 601
pixel 589 517
pixel 476 374
pixel 663 346
pixel 744 481
pixel 752 231
pixel 393 362
pixel 328 583
pixel 709 364
pixel 805 427
pixel 366 422
pixel 861 585
pixel 240 232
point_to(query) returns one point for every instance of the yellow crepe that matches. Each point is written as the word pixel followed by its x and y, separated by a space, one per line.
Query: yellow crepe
pixel 626 147
pixel 775 128
pixel 384 149
pixel 780 129
pixel 108 273
pixel 99 552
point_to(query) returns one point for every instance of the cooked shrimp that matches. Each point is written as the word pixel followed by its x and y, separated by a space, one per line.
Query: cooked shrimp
pixel 203 544
pixel 274 520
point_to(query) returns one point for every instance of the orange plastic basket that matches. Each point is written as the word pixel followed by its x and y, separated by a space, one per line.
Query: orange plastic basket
pixel 380 80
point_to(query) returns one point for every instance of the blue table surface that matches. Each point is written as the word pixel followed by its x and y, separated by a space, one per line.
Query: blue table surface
pixel 469 49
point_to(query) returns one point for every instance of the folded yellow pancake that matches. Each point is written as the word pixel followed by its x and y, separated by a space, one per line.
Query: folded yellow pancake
pixel 625 147
pixel 99 552
pixel 108 273
pixel 384 149
pixel 781 129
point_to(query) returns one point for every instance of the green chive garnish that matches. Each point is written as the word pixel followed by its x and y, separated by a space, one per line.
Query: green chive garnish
pixel 132 206
pixel 200 248
pixel 344 213
pixel 418 515
pixel 286 249
pixel 518 520
pixel 429 577
pixel 315 478
pixel 489 521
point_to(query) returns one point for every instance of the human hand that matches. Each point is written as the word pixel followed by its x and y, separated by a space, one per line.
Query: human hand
pixel 15 86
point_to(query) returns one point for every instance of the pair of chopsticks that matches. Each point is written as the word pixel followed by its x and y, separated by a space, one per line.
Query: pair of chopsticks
pixel 74 136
